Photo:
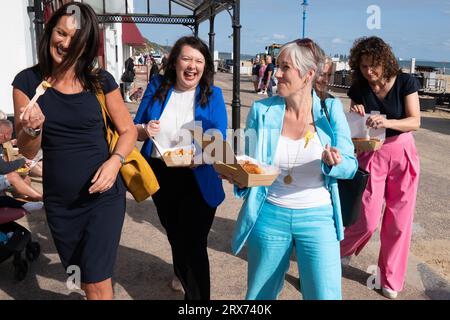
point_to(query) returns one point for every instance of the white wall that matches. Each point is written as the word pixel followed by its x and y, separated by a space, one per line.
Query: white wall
pixel 18 47
pixel 114 60
pixel 18 50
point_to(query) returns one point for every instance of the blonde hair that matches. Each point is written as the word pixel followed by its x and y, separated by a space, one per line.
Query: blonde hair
pixel 302 57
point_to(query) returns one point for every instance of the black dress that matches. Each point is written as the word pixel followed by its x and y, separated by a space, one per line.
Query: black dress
pixel 85 227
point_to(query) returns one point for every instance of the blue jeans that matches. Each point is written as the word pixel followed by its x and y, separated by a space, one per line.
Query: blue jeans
pixel 270 246
pixel 4 183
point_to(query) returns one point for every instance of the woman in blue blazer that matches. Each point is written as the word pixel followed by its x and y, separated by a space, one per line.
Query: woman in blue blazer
pixel 188 197
pixel 302 206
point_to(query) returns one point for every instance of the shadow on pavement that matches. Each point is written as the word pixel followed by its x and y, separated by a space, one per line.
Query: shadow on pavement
pixel 144 276
pixel 436 287
pixel 355 274
pixel 439 125
pixel 219 237
pixel 294 281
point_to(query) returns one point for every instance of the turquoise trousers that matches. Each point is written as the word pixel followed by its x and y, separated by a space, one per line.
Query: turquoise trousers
pixel 270 246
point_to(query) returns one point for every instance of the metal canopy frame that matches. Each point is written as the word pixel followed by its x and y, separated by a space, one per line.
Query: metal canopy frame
pixel 202 10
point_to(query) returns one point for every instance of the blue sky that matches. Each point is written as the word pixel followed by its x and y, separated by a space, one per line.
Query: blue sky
pixel 413 28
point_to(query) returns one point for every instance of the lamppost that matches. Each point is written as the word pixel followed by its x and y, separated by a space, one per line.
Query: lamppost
pixel 304 5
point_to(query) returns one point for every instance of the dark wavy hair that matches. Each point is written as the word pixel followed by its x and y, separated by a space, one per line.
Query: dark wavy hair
pixel 170 74
pixel 83 48
pixel 381 54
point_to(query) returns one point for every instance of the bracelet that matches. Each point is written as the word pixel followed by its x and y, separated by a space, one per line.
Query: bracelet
pixel 121 157
pixel 144 126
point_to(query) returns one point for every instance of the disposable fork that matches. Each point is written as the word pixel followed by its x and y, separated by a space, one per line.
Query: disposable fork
pixel 40 90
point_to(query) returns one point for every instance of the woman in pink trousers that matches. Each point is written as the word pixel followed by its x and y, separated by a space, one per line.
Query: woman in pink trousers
pixel 379 85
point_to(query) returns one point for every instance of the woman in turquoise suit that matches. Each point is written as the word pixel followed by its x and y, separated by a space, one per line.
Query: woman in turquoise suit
pixel 302 206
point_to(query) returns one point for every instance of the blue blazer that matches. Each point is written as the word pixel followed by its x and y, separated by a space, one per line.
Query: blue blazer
pixel 213 116
pixel 266 117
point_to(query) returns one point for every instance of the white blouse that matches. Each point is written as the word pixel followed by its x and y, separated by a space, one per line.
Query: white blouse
pixel 307 189
pixel 178 114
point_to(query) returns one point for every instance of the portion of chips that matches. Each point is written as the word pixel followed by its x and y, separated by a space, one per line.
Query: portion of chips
pixel 46 84
pixel 251 167
pixel 179 152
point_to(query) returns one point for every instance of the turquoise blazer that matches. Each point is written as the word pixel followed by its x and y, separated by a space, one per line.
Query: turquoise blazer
pixel 266 118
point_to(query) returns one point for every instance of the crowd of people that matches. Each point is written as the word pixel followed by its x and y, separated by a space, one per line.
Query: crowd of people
pixel 263 75
pixel 300 211
pixel 129 75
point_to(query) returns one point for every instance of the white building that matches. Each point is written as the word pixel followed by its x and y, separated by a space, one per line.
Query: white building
pixel 18 40
pixel 18 47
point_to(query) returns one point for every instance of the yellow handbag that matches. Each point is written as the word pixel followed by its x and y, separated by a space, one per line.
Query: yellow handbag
pixel 137 174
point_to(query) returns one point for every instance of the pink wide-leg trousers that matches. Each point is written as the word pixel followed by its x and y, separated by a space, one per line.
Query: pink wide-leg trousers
pixel 394 178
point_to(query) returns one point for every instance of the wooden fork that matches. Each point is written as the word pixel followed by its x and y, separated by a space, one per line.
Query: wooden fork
pixel 40 90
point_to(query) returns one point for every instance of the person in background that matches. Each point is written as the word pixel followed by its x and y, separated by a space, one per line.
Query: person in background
pixel 301 208
pixel 262 70
pixel 323 79
pixel 84 194
pixel 268 76
pixel 379 85
pixel 141 59
pixel 188 197
pixel 164 60
pixel 154 69
pixel 128 78
pixel 255 73
pixel 9 177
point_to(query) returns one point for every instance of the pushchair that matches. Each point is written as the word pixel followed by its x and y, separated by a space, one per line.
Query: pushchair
pixel 19 241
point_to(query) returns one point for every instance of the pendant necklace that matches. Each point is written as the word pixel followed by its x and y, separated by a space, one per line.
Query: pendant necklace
pixel 288 178
pixel 308 136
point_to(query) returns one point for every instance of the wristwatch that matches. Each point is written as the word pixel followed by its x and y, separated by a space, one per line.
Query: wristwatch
pixel 32 132
pixel 144 126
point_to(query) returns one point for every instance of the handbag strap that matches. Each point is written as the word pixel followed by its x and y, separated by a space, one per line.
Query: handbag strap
pixel 325 109
pixel 102 100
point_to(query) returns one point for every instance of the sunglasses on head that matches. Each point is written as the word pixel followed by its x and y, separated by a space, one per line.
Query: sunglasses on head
pixel 306 42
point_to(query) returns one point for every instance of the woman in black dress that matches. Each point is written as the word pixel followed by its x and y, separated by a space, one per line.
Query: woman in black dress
pixel 84 196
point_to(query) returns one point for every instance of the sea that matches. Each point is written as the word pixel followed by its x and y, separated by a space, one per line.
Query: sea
pixel 227 55
pixel 442 67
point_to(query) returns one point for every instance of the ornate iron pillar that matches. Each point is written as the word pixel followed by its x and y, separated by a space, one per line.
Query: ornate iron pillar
pixel 236 102
pixel 211 35
pixel 38 9
pixel 196 29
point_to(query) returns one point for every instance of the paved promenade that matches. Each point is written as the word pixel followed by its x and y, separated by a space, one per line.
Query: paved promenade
pixel 144 269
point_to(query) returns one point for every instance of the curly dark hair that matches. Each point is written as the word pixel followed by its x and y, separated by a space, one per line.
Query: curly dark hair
pixel 170 74
pixel 381 54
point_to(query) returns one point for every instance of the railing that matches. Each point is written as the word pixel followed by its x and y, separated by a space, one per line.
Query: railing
pixel 435 85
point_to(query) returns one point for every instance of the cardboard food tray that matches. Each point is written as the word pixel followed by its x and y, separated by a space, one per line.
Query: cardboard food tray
pixel 176 160
pixel 235 170
pixel 365 145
